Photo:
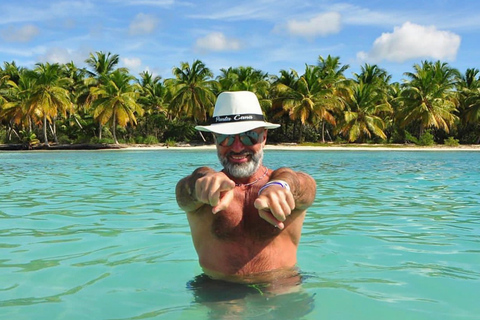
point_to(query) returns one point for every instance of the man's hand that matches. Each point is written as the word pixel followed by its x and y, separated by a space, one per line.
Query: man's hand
pixel 274 205
pixel 215 189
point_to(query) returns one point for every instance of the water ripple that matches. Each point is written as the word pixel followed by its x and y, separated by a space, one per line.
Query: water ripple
pixel 98 235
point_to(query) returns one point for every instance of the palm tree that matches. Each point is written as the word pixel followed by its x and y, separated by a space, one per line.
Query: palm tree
pixel 17 112
pixel 152 97
pixel 362 115
pixel 396 133
pixel 50 96
pixel 152 91
pixel 332 73
pixel 116 101
pixel 3 87
pixel 281 83
pixel 428 98
pixel 192 91
pixel 468 88
pixel 244 78
pixel 368 105
pixel 227 79
pixel 309 100
pixel 11 70
pixel 102 64
pixel 374 75
pixel 331 67
pixel 9 78
pixel 79 92
pixel 4 104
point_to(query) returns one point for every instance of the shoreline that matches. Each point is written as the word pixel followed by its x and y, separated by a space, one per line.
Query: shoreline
pixel 285 146
pixel 322 148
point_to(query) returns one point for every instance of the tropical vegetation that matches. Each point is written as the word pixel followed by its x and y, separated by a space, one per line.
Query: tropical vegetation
pixel 103 103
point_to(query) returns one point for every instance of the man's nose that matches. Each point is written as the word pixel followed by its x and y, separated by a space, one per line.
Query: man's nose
pixel 237 144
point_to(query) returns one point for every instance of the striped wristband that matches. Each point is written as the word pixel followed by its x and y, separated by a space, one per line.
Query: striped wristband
pixel 280 183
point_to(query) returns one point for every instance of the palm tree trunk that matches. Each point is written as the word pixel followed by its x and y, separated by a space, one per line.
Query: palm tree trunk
pixel 200 132
pixel 329 136
pixel 100 131
pixel 45 136
pixel 78 123
pixel 11 130
pixel 201 135
pixel 323 131
pixel 421 131
pixel 53 129
pixel 113 129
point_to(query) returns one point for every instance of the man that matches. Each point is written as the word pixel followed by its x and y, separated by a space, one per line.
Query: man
pixel 245 220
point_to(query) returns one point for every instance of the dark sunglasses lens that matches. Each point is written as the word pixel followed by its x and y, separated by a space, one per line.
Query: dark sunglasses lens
pixel 249 138
pixel 225 140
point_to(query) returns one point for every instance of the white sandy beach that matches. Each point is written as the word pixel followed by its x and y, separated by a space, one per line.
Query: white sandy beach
pixel 292 147
pixel 285 146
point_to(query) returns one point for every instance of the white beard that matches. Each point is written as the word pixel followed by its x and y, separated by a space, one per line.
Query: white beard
pixel 242 170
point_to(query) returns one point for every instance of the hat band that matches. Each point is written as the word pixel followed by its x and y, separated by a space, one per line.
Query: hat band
pixel 236 118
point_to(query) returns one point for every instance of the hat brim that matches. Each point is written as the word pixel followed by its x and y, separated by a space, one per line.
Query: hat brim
pixel 237 127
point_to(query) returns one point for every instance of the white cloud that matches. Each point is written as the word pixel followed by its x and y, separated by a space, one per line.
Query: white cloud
pixel 22 34
pixel 413 41
pixel 143 24
pixel 60 55
pixel 320 25
pixel 216 41
pixel 132 63
pixel 56 55
pixel 363 16
pixel 157 3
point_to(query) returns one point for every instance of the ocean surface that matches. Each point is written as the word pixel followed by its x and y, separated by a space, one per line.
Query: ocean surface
pixel 98 235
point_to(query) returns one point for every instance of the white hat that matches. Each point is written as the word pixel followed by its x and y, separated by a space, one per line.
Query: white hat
pixel 237 112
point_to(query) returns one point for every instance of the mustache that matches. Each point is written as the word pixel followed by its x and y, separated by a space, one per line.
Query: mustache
pixel 242 153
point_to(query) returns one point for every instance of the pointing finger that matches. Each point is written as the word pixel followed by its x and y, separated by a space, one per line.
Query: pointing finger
pixel 225 199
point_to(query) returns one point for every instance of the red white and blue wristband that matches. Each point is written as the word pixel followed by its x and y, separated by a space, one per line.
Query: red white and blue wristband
pixel 280 183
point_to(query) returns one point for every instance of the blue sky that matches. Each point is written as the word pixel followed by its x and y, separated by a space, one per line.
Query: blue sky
pixel 157 35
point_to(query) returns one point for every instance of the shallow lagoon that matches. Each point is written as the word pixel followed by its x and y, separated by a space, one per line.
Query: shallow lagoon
pixel 98 235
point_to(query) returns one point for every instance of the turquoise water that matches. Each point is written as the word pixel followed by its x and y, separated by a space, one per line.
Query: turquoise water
pixel 98 235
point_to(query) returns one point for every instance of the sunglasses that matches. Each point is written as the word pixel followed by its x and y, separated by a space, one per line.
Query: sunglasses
pixel 248 138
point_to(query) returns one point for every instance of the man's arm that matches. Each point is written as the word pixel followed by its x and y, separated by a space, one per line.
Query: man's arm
pixel 275 203
pixel 302 186
pixel 204 186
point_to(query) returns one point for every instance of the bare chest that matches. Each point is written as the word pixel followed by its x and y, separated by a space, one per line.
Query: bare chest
pixel 241 222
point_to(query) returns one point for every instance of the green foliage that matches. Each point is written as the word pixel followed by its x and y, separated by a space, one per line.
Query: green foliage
pixel 29 139
pixel 170 142
pixel 96 140
pixel 150 140
pixel 310 134
pixel 425 139
pixel 2 136
pixel 74 105
pixel 410 138
pixel 131 140
pixel 451 142
pixel 64 139
pixel 180 130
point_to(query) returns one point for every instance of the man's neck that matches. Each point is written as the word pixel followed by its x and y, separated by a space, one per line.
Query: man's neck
pixel 255 178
